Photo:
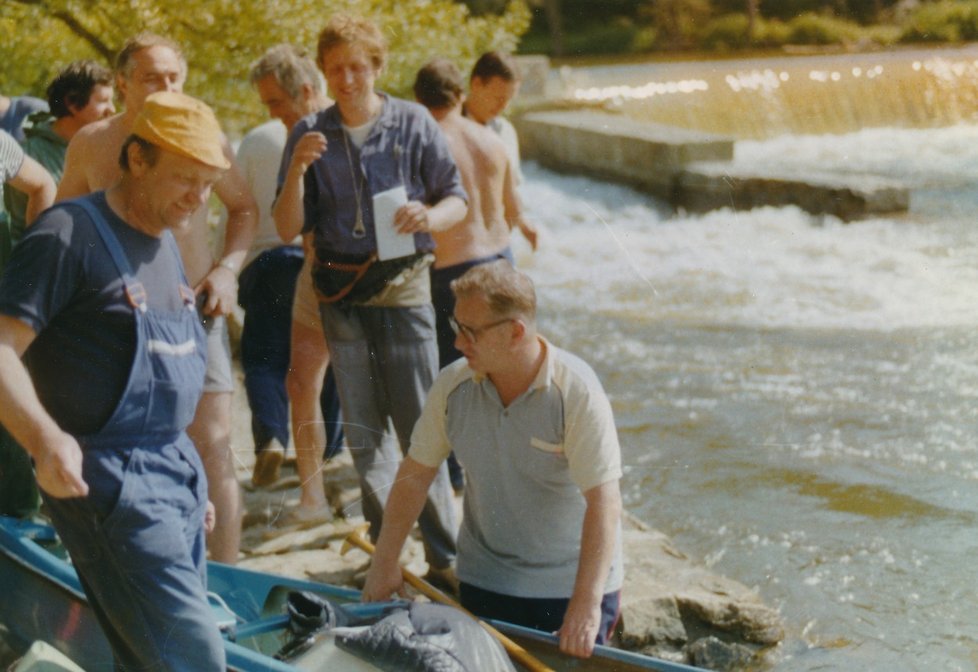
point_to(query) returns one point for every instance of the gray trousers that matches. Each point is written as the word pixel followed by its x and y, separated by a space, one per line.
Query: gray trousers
pixel 385 360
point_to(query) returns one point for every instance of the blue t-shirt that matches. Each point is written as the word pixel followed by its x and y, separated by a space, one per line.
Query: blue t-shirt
pixel 62 282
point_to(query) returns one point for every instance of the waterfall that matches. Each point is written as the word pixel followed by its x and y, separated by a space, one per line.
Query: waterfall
pixel 764 98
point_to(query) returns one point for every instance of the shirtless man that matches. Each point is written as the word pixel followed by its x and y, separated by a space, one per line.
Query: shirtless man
pixel 493 83
pixel 146 64
pixel 494 205
pixel 488 178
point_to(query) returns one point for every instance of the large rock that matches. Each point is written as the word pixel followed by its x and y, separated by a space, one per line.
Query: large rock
pixel 670 604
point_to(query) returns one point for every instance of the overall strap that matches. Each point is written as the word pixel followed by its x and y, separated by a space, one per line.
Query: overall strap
pixel 134 289
pixel 186 293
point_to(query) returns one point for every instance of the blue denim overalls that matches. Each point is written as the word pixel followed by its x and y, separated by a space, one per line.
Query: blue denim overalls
pixel 137 540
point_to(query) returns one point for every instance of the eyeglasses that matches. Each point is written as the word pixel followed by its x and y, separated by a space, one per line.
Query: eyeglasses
pixel 471 334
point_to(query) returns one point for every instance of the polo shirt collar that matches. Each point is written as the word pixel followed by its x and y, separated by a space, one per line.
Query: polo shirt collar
pixel 544 375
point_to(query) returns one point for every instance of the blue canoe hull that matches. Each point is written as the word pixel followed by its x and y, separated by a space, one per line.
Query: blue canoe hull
pixel 41 599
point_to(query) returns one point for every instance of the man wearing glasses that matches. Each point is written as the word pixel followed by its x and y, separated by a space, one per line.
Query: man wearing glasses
pixel 540 542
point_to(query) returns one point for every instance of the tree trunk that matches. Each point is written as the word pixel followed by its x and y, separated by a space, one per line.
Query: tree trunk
pixel 751 19
pixel 556 24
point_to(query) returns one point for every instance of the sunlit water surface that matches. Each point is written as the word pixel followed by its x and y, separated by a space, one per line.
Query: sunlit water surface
pixel 797 398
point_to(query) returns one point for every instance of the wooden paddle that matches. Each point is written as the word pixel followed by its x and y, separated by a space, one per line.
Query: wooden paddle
pixel 515 651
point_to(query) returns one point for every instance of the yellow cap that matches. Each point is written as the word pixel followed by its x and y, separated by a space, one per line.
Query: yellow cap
pixel 183 125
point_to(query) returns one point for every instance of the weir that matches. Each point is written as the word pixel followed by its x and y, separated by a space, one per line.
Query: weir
pixel 671 129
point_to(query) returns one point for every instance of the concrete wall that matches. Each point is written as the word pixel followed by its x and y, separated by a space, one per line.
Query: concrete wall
pixel 611 146
pixel 689 169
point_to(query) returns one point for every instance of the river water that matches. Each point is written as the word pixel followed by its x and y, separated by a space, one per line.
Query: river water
pixel 797 398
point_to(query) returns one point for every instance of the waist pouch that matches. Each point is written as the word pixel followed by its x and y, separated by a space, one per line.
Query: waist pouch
pixel 344 279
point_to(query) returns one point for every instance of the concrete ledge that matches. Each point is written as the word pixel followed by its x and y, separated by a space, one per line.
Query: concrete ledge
pixel 707 186
pixel 690 169
pixel 611 146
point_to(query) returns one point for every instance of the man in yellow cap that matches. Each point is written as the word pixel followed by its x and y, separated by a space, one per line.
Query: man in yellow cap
pixel 96 301
pixel 149 63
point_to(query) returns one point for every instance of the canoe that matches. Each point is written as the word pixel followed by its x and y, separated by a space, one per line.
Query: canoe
pixel 41 599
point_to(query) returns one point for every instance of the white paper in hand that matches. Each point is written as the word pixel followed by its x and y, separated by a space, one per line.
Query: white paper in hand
pixel 390 243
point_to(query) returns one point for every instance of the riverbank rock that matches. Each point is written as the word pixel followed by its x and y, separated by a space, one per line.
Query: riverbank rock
pixel 675 609
pixel 671 607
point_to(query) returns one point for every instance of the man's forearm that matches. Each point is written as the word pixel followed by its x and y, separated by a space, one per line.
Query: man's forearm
pixel 598 538
pixel 239 234
pixel 445 214
pixel 287 211
pixel 404 505
pixel 57 456
pixel 21 411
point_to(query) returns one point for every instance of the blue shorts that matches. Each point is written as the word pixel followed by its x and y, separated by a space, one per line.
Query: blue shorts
pixel 546 614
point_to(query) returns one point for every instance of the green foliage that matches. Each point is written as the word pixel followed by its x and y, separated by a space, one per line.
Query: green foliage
pixel 221 38
pixel 943 21
pixel 676 21
pixel 726 32
pixel 810 28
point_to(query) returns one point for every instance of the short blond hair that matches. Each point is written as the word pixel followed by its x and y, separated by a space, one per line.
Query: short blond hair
pixel 507 291
pixel 356 31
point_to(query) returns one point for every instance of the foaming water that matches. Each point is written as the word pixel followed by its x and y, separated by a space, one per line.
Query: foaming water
pixel 795 396
pixel 776 267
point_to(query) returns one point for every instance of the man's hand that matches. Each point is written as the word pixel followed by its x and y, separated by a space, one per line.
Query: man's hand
pixel 59 468
pixel 529 232
pixel 412 217
pixel 310 147
pixel 220 286
pixel 210 517
pixel 382 582
pixel 580 627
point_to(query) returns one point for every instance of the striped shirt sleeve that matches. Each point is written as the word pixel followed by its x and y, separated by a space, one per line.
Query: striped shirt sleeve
pixel 11 157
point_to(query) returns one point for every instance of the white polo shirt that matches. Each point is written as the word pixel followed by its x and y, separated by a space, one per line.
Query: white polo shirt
pixel 527 466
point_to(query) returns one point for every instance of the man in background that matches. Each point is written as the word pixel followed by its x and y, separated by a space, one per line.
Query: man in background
pixel 79 95
pixel 283 349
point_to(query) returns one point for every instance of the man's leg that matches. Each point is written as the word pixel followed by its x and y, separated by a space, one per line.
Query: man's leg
pixel 265 291
pixel 304 382
pixel 361 399
pixel 210 432
pixel 408 363
pixel 136 542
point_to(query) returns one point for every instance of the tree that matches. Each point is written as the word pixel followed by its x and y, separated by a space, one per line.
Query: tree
pixel 221 38
pixel 752 7
pixel 676 21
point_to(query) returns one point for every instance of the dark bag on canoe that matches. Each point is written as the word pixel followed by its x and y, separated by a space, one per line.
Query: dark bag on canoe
pixel 309 615
pixel 345 279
